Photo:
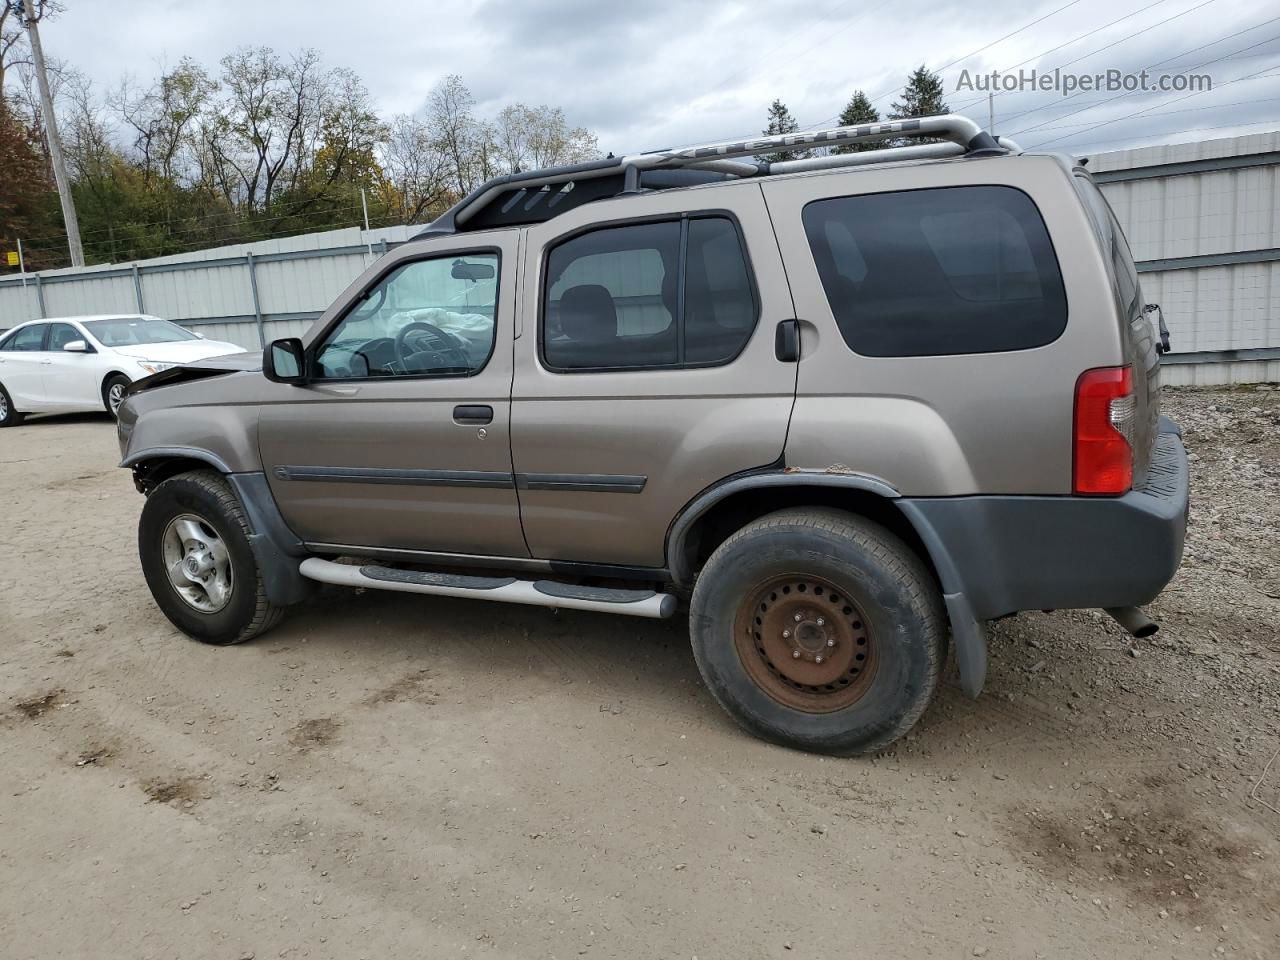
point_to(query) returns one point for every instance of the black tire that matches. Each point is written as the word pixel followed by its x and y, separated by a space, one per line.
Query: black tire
pixel 116 380
pixel 206 496
pixel 9 417
pixel 879 600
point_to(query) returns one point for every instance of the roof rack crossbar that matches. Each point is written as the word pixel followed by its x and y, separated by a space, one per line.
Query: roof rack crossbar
pixel 961 136
pixel 920 151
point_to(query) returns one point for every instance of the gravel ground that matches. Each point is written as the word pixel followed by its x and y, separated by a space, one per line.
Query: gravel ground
pixel 387 776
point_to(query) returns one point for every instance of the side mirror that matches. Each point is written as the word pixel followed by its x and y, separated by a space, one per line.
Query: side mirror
pixel 284 361
pixel 76 346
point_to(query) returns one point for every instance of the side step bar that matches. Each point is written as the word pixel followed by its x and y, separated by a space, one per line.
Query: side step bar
pixel 540 593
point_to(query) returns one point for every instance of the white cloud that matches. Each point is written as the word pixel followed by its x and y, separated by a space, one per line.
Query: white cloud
pixel 666 72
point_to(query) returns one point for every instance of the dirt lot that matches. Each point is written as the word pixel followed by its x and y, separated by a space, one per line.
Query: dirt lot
pixel 389 776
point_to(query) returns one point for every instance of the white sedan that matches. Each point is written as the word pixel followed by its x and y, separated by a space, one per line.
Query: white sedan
pixel 74 364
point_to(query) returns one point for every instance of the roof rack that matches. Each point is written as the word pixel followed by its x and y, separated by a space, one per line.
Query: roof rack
pixel 539 195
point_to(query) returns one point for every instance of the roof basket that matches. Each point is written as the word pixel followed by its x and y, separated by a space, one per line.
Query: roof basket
pixel 539 195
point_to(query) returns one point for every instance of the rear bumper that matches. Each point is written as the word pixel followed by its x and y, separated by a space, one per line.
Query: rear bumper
pixel 1006 553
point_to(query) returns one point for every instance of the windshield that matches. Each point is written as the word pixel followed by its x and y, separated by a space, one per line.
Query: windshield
pixel 127 331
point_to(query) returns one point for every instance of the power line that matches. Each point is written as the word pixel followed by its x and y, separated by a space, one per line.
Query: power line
pixel 1074 40
pixel 183 223
pixel 1221 126
pixel 178 244
pixel 1149 66
pixel 1212 106
pixel 987 46
pixel 1118 96
pixel 826 39
pixel 1136 113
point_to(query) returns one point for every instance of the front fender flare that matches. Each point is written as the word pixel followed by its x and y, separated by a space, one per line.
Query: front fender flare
pixel 186 453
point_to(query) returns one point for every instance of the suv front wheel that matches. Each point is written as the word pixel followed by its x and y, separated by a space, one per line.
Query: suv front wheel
pixel 819 629
pixel 193 540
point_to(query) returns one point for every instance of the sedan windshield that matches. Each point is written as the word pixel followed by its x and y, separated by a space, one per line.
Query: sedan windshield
pixel 127 331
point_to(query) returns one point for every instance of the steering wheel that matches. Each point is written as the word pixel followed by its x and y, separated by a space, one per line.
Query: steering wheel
pixel 442 349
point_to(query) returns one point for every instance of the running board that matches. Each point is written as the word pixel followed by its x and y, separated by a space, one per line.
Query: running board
pixel 540 593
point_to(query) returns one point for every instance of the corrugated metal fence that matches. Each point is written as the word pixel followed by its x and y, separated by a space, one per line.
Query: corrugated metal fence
pixel 1203 220
pixel 245 295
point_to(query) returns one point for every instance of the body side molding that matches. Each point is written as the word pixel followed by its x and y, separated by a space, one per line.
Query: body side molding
pixel 423 478
pixel 575 482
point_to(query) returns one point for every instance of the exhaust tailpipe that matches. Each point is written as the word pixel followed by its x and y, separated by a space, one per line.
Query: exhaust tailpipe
pixel 1133 620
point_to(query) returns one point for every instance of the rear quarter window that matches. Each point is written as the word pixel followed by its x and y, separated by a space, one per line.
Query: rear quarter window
pixel 952 270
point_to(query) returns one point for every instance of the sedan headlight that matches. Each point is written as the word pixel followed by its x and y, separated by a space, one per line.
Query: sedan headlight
pixel 155 366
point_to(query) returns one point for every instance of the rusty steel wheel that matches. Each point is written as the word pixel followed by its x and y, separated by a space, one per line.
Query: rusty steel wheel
pixel 818 629
pixel 806 644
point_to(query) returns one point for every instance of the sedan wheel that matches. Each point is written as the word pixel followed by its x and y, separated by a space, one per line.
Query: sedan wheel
pixel 115 397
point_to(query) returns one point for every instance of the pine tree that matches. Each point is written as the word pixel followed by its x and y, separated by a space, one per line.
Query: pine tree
pixel 856 112
pixel 922 96
pixel 781 122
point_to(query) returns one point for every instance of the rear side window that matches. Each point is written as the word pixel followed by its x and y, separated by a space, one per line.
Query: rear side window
pixel 1113 241
pixel 670 294
pixel 27 339
pixel 946 271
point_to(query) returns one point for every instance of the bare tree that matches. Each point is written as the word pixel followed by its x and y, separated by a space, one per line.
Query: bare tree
pixel 10 41
pixel 533 137
pixel 164 118
pixel 418 167
pixel 89 145
pixel 449 112
pixel 266 124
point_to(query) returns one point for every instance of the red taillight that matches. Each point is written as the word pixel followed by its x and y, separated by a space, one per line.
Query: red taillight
pixel 1103 427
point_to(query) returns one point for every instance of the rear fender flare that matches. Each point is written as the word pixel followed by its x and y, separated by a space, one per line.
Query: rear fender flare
pixel 708 498
pixel 968 633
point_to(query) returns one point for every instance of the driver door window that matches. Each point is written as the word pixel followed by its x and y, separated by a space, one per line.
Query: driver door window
pixel 60 334
pixel 428 318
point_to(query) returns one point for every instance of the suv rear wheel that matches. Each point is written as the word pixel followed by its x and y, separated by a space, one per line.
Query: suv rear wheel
pixel 820 630
pixel 193 540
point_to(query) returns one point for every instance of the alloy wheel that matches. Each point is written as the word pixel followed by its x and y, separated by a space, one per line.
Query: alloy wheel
pixel 115 397
pixel 198 563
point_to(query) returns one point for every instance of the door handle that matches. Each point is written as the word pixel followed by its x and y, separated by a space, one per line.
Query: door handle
pixel 786 341
pixel 472 413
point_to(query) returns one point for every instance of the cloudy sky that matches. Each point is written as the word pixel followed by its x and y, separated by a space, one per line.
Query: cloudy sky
pixel 663 72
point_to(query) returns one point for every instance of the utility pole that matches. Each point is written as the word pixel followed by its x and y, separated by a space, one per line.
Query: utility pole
pixel 26 9
pixel 365 205
pixel 991 114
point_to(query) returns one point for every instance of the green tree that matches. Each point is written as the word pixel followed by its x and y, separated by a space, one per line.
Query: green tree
pixel 856 112
pixel 921 97
pixel 782 122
